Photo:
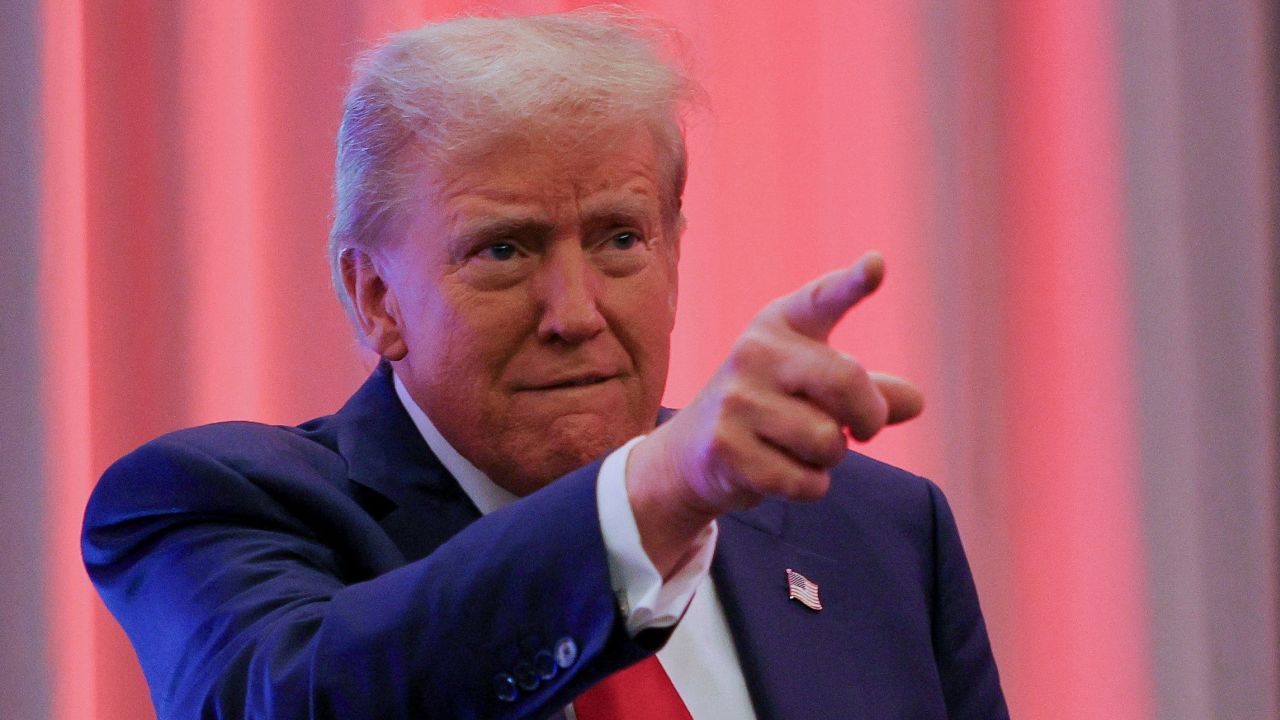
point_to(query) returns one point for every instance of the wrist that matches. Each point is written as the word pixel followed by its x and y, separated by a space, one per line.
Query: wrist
pixel 669 515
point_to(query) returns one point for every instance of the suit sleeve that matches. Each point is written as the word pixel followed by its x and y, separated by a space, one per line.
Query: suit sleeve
pixel 962 651
pixel 257 597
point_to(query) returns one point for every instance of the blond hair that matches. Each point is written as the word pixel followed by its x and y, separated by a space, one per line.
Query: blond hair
pixel 428 97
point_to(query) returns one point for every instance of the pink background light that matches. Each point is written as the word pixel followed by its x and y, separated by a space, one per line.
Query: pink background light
pixel 1075 200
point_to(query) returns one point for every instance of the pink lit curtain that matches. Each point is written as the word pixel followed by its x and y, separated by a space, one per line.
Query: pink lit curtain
pixel 1076 199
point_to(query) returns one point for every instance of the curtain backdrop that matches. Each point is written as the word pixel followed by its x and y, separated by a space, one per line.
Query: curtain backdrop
pixel 1075 199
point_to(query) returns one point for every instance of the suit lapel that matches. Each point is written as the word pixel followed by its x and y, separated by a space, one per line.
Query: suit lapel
pixel 797 661
pixel 393 472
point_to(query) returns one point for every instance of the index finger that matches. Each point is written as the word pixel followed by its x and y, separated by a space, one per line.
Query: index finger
pixel 814 309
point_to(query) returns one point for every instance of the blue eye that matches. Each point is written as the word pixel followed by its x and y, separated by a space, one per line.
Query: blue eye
pixel 624 241
pixel 500 251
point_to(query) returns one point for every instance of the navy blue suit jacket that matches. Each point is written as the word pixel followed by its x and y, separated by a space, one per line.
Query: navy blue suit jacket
pixel 336 570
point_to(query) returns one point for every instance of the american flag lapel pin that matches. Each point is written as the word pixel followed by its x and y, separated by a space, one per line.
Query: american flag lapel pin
pixel 803 589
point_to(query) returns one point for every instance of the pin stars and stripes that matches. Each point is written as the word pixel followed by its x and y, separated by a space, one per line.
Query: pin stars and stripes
pixel 803 589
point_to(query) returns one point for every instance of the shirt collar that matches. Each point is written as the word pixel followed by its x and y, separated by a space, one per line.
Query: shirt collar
pixel 482 491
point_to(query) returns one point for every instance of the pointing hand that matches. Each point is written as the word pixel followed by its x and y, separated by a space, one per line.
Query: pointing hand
pixel 771 421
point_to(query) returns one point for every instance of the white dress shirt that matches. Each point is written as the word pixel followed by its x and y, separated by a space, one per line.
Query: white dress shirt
pixel 700 657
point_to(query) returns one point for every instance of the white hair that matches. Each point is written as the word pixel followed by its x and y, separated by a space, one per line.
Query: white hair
pixel 432 96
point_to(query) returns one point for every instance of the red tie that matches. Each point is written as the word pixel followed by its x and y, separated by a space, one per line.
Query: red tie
pixel 641 692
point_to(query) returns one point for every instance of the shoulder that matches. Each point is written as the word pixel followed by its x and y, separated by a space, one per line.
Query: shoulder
pixel 246 449
pixel 233 480
pixel 229 468
pixel 242 447
pixel 873 509
pixel 864 485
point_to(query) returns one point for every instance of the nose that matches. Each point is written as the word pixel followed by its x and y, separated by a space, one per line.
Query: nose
pixel 569 293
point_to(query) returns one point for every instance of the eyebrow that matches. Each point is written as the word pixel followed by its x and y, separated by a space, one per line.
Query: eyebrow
pixel 501 226
pixel 630 206
pixel 635 191
pixel 491 229
pixel 614 210
pixel 624 208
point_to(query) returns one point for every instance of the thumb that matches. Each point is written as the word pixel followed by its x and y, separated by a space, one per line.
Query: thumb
pixel 904 399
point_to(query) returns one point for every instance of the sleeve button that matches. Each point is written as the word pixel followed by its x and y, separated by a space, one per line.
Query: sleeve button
pixel 504 687
pixel 566 652
pixel 526 678
pixel 544 665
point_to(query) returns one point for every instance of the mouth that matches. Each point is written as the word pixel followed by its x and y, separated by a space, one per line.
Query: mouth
pixel 569 383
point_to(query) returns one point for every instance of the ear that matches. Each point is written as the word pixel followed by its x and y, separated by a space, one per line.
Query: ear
pixel 374 305
pixel 677 235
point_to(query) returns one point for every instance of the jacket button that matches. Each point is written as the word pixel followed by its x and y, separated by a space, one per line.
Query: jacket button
pixel 566 652
pixel 504 686
pixel 544 665
pixel 526 678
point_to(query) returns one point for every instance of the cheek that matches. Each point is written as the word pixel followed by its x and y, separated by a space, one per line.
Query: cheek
pixel 665 284
pixel 646 327
pixel 471 334
pixel 431 324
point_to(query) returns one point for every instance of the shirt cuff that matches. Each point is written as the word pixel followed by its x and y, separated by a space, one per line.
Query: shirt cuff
pixel 646 601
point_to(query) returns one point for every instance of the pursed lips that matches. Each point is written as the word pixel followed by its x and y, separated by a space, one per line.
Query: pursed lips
pixel 566 383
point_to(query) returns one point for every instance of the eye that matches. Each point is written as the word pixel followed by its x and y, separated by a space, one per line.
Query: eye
pixel 621 253
pixel 498 251
pixel 623 241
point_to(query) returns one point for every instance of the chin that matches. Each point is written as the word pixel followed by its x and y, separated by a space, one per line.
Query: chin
pixel 564 455
pixel 556 450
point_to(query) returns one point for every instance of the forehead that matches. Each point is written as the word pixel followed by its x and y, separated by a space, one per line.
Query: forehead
pixel 543 174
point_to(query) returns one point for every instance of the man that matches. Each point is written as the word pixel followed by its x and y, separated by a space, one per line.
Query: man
pixel 496 525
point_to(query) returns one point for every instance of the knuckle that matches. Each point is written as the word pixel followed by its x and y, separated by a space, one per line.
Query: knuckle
pixel 774 481
pixel 818 486
pixel 833 444
pixel 869 422
pixel 736 399
pixel 814 295
pixel 847 371
pixel 826 428
pixel 802 485
pixel 752 348
pixel 721 444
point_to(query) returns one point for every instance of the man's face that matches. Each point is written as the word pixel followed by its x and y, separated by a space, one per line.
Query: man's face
pixel 536 294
